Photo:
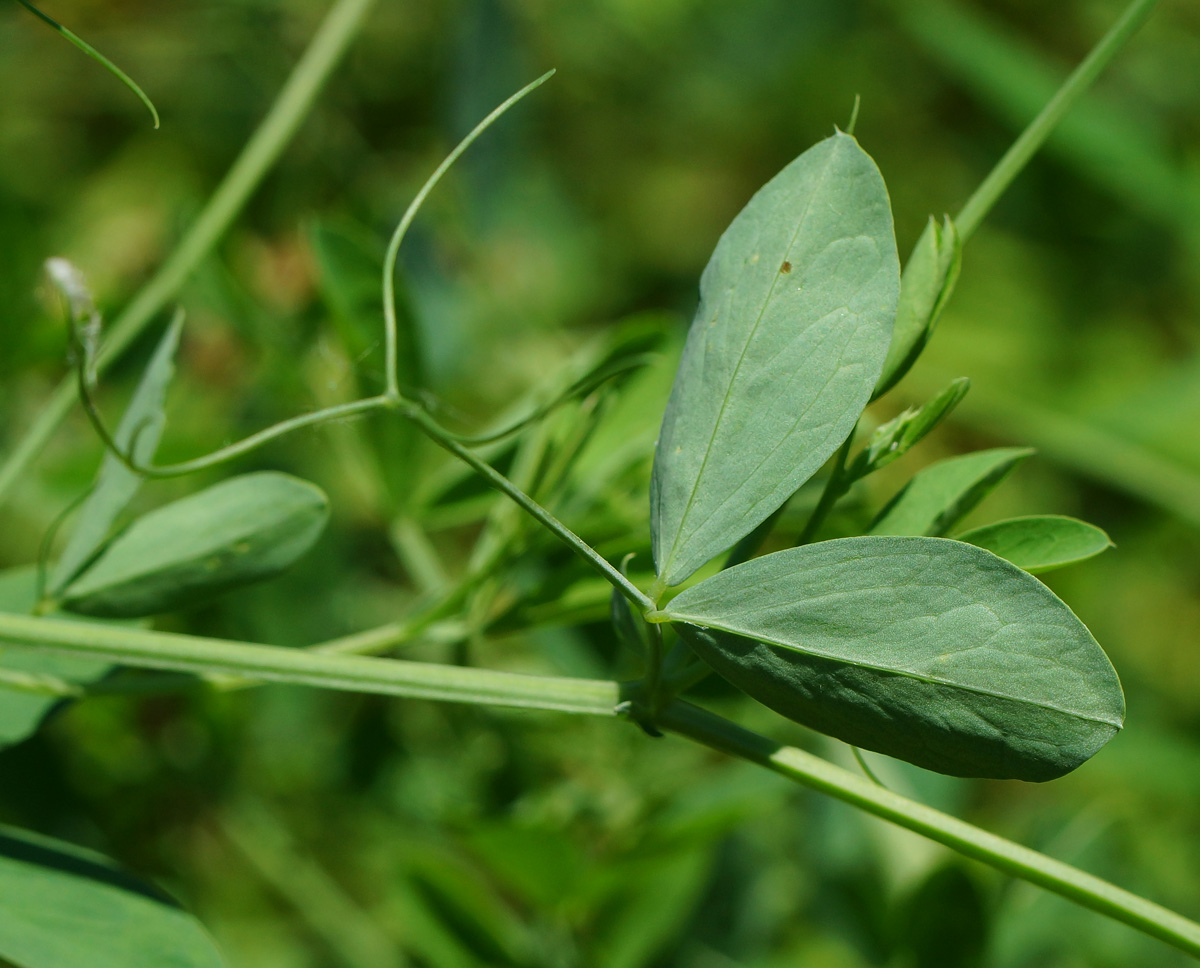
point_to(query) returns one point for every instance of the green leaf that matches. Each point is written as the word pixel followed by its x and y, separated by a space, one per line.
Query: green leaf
pixel 925 287
pixel 900 434
pixel 927 649
pixel 796 309
pixel 1040 542
pixel 141 426
pixel 661 891
pixel 62 907
pixel 942 494
pixel 239 531
pixel 23 669
pixel 945 921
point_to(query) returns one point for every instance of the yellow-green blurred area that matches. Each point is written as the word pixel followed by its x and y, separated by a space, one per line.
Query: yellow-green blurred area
pixel 309 828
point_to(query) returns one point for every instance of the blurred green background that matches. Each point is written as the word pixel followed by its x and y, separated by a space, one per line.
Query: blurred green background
pixel 315 829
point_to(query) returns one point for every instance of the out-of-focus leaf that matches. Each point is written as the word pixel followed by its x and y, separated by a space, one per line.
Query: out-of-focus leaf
pixel 662 891
pixel 1113 147
pixel 540 866
pixel 349 270
pixel 22 709
pixel 945 921
pixel 927 649
pixel 795 315
pixel 1040 542
pixel 141 426
pixel 239 531
pixel 349 279
pixel 942 494
pixel 900 434
pixel 627 427
pixel 925 286
pixel 62 907
pixel 470 905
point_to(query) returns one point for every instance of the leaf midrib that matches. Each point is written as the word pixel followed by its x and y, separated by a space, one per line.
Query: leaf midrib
pixel 704 621
pixel 676 540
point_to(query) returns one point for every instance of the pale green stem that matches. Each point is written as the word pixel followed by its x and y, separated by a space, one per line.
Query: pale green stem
pixel 439 436
pixel 835 487
pixel 391 339
pixel 1035 135
pixel 183 653
pixel 970 841
pixel 259 155
pixel 392 677
pixel 654 668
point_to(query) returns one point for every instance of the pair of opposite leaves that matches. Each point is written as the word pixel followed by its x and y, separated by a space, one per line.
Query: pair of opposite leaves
pixel 928 649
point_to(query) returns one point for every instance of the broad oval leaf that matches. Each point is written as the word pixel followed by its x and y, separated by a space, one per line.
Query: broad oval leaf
pixel 239 531
pixel 796 309
pixel 927 649
pixel 942 494
pixel 1040 542
pixel 62 907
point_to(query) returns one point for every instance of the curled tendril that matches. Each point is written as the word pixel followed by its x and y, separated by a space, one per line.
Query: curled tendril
pixel 95 55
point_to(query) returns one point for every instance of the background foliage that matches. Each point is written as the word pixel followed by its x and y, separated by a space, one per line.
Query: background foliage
pixel 312 829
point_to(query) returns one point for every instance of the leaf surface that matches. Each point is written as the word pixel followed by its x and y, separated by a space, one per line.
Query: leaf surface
pixel 795 315
pixel 927 649
pixel 1040 543
pixel 142 426
pixel 942 494
pixel 62 907
pixel 239 531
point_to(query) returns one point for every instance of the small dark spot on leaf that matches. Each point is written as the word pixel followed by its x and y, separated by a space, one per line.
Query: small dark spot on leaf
pixel 786 267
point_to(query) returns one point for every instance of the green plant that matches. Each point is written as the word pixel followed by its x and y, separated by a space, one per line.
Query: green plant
pixel 798 328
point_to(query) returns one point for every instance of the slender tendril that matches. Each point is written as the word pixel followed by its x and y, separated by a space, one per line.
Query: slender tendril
pixel 393 250
pixel 95 55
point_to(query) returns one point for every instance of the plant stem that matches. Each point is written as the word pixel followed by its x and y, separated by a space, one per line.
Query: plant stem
pixel 970 841
pixel 392 677
pixel 247 172
pixel 1032 138
pixel 184 653
pixel 835 487
pixel 439 436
